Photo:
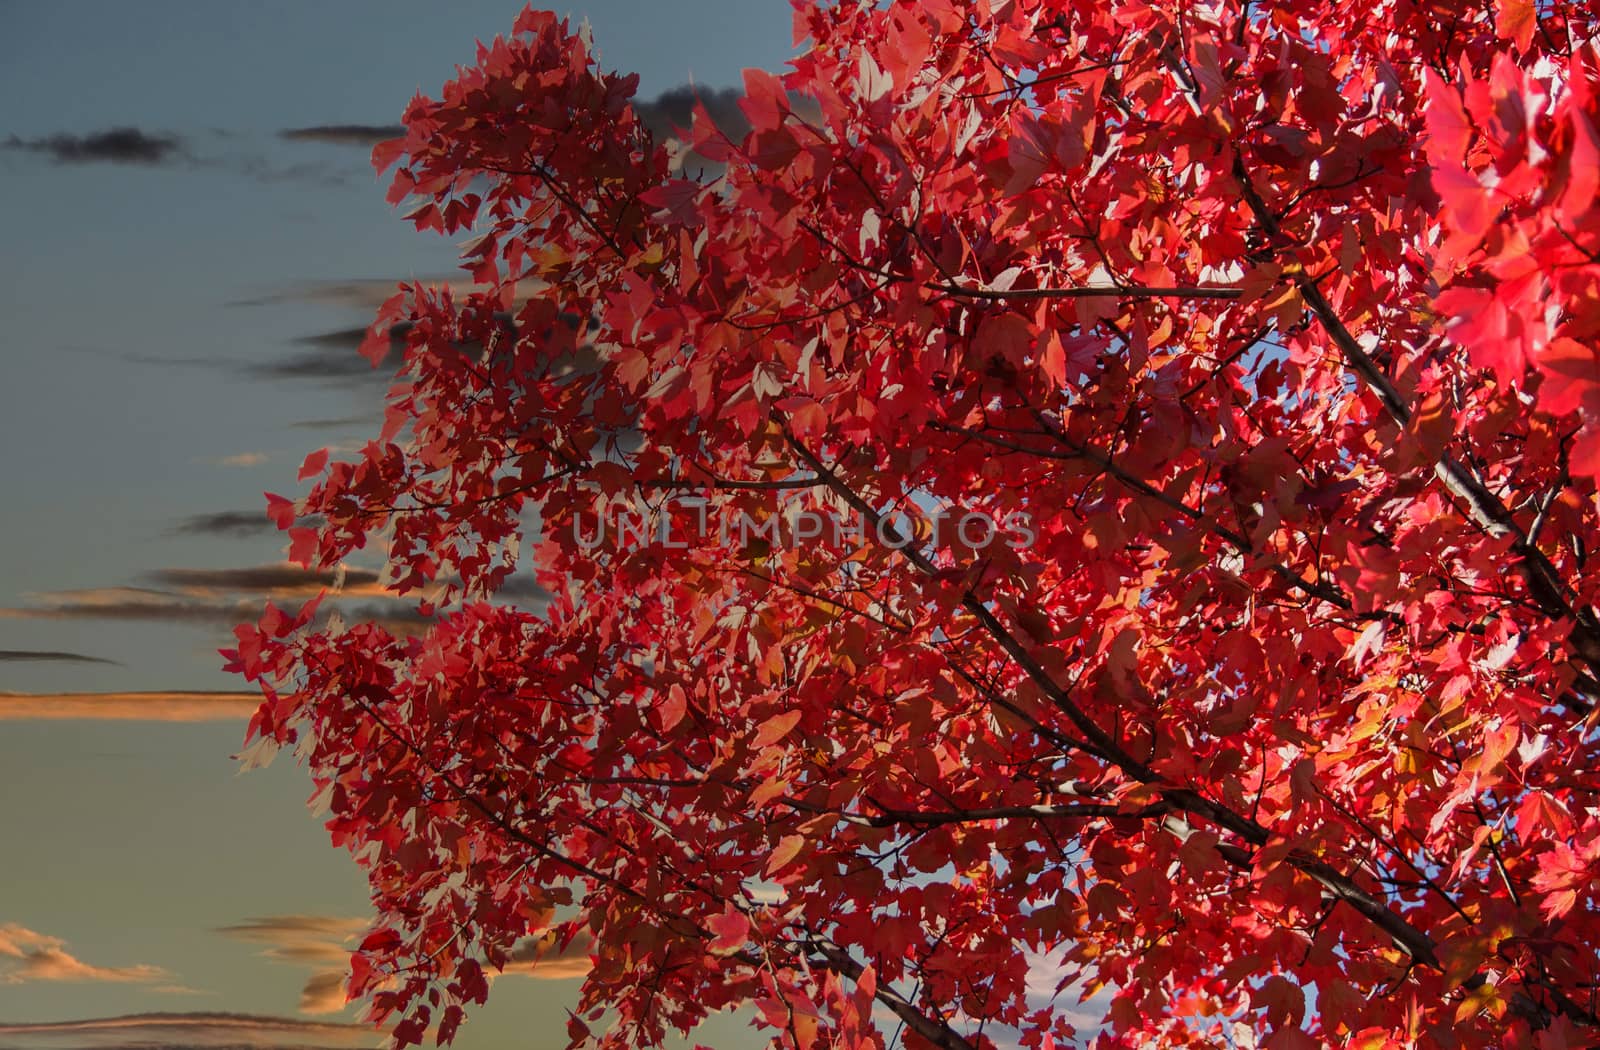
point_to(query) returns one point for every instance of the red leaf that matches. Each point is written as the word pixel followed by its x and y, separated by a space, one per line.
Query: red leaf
pixel 676 198
pixel 281 510
pixel 731 930
pixel 303 546
pixel 673 707
pixel 788 849
pixel 765 101
pixel 776 728
pixel 387 152
pixel 1515 20
pixel 313 464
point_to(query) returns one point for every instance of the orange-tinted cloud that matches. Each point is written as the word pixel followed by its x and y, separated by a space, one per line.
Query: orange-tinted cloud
pixel 540 957
pixel 172 706
pixel 319 941
pixel 323 993
pixel 26 956
pixel 188 1031
pixel 299 938
pixel 242 459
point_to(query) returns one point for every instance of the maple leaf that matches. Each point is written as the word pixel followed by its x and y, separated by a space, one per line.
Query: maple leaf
pixel 731 930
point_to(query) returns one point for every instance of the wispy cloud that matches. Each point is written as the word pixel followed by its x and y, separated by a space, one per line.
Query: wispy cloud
pixel 299 938
pixel 123 145
pixel 134 146
pixel 674 107
pixel 169 706
pixel 239 523
pixel 337 424
pixel 241 459
pixel 360 293
pixel 329 357
pixel 284 579
pixel 344 134
pixel 48 656
pixel 540 957
pixel 319 941
pixel 27 956
pixel 397 616
pixel 188 1031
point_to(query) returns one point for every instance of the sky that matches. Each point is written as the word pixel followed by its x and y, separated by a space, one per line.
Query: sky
pixel 191 233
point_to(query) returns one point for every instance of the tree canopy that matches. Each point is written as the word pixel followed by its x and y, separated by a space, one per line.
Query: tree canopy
pixel 1103 528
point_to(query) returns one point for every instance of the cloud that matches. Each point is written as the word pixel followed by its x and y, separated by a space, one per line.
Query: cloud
pixel 242 459
pixel 232 523
pixel 49 656
pixel 367 294
pixel 344 134
pixel 263 168
pixel 287 934
pixel 188 1031
pixel 123 145
pixel 540 957
pixel 26 957
pixel 319 941
pixel 323 993
pixel 284 579
pixel 364 294
pixel 674 107
pixel 168 706
pixel 133 146
pixel 326 363
pixel 338 339
pixel 332 424
pixel 399 616
pixel 227 597
pixel 226 523
pixel 179 989
pixel 126 603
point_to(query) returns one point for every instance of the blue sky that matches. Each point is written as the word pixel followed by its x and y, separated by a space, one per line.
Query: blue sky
pixel 173 301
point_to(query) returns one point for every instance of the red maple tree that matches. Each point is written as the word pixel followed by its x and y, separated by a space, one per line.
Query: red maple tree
pixel 1267 330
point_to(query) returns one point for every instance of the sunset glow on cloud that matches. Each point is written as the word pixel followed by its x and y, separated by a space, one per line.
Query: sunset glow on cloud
pixel 176 1031
pixel 309 940
pixel 124 707
pixel 27 956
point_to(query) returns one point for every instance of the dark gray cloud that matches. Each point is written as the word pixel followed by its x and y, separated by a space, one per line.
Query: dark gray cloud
pixel 674 107
pixel 48 656
pixel 123 145
pixel 338 339
pixel 158 607
pixel 363 294
pixel 344 134
pixel 524 591
pixel 226 523
pixel 265 579
pixel 238 523
pixel 130 145
pixel 263 169
pixel 328 355
pixel 127 604
pixel 335 424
